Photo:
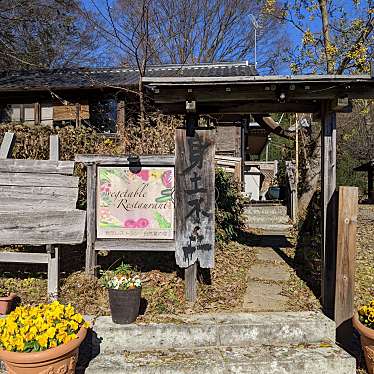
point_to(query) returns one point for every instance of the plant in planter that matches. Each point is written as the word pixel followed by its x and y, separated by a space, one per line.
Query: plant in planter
pixel 7 300
pixel 124 289
pixel 363 321
pixel 42 339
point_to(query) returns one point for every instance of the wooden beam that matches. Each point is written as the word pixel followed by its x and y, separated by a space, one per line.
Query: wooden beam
pixel 243 107
pixel 345 263
pixel 38 180
pixel 268 91
pixel 329 210
pixel 42 227
pixel 36 166
pixel 134 245
pixel 156 160
pixel 22 257
pixel 7 145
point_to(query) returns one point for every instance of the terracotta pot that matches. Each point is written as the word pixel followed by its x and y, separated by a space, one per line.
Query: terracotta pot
pixel 59 360
pixel 6 303
pixel 124 305
pixel 367 342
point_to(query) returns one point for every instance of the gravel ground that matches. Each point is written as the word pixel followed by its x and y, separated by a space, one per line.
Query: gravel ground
pixel 364 287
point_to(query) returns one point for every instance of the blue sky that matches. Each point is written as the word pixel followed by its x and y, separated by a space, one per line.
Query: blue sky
pixel 294 35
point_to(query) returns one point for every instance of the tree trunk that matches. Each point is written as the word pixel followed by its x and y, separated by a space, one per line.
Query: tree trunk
pixel 311 177
pixel 326 36
pixel 141 107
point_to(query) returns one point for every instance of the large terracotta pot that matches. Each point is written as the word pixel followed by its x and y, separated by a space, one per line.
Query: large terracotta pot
pixel 367 342
pixel 6 303
pixel 59 360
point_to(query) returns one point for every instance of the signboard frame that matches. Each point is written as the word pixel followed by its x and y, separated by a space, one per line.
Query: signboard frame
pixel 95 244
pixel 135 203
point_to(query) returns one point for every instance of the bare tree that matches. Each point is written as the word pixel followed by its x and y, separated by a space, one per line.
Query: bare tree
pixel 43 33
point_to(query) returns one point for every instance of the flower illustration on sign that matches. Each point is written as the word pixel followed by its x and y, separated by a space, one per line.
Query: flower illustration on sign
pixel 167 179
pixel 144 175
pixel 129 224
pixel 142 223
pixel 105 187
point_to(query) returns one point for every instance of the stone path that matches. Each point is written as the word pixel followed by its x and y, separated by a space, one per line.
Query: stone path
pixel 265 280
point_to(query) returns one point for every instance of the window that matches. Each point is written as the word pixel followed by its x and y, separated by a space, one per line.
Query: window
pixel 19 113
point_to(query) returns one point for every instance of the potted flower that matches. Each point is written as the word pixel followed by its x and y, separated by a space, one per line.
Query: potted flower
pixel 6 301
pixel 41 339
pixel 363 321
pixel 124 289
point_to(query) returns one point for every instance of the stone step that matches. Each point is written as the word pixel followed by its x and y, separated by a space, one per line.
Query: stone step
pixel 264 359
pixel 268 219
pixel 208 330
pixel 276 228
pixel 269 210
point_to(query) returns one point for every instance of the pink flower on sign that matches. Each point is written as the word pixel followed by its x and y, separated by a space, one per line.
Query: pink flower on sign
pixel 142 223
pixel 167 179
pixel 144 175
pixel 105 187
pixel 129 224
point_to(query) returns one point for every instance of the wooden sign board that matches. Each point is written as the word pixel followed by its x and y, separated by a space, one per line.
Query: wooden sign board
pixel 195 198
pixel 135 204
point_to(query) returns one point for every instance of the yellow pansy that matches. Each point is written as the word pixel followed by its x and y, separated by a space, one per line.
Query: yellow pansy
pixel 49 325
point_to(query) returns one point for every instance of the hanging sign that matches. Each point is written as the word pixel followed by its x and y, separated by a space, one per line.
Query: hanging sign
pixel 135 204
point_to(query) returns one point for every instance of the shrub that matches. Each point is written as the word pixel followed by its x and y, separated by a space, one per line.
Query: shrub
pixel 229 207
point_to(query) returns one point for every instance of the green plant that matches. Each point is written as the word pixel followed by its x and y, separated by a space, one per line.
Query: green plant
pixel 122 278
pixel 229 207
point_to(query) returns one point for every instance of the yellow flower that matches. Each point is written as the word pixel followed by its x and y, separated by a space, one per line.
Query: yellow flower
pixel 42 340
pixel 69 311
pixel 77 317
pixel 51 332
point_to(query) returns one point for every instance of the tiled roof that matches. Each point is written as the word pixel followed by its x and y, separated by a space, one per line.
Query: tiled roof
pixel 70 78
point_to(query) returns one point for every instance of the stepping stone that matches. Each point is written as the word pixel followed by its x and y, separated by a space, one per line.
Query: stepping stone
pixel 268 255
pixel 264 297
pixel 269 272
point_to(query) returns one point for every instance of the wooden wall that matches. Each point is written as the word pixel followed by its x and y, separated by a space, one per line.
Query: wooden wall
pixel 228 140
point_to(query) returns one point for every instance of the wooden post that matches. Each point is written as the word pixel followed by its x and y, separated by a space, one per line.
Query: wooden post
pixel 53 272
pixel 91 219
pixel 7 144
pixel 54 148
pixel 37 113
pixel 195 202
pixel 77 115
pixel 329 210
pixel 190 279
pixel 370 184
pixel 345 262
pixel 53 260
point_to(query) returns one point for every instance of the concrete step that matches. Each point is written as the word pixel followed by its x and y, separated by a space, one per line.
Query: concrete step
pixel 269 229
pixel 268 219
pixel 209 330
pixel 269 210
pixel 301 359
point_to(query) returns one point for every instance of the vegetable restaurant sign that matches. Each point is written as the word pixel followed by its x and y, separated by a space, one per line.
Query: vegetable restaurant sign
pixel 135 205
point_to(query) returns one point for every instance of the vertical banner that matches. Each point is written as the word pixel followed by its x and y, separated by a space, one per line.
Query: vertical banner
pixel 195 197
